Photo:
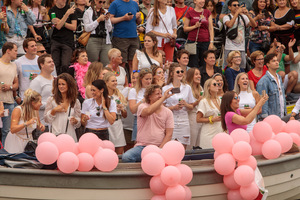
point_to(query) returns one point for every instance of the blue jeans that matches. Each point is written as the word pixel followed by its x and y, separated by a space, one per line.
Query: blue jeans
pixel 134 129
pixel 198 60
pixel 254 46
pixel 133 155
pixel 6 121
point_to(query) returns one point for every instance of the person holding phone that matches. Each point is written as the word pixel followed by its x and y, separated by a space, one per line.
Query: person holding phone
pixel 4 26
pixel 180 103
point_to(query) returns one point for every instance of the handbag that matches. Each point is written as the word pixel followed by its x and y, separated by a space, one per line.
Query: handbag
pixel 180 31
pixel 84 38
pixel 173 40
pixel 192 47
pixel 233 33
pixel 30 146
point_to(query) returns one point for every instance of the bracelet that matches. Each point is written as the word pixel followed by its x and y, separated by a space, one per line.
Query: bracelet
pixel 268 27
pixel 104 109
pixel 211 41
pixel 210 119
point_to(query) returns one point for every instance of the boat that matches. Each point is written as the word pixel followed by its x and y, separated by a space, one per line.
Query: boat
pixel 129 182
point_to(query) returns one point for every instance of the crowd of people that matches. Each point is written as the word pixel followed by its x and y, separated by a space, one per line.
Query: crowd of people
pixel 239 63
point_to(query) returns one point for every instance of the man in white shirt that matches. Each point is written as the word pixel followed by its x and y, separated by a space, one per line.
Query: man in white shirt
pixel 43 82
pixel 27 66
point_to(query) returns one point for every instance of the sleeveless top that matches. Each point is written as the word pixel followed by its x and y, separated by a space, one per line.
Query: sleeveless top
pixel 247 98
pixel 143 61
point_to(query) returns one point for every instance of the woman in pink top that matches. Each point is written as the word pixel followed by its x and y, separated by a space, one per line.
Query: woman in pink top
pixel 232 117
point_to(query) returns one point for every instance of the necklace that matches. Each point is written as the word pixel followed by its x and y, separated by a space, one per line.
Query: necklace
pixel 116 72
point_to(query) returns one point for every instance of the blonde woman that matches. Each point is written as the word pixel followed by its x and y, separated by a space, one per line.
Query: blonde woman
pixel 234 61
pixel 208 113
pixel 91 75
pixel 248 98
pixel 193 78
pixel 136 96
pixel 179 103
pixel 116 132
pixel 24 119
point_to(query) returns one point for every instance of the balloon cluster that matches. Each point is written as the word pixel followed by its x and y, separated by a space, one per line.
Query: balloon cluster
pixel 169 175
pixel 90 151
pixel 272 137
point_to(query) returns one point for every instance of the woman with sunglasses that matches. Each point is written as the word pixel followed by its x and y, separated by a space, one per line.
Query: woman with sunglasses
pixel 193 78
pixel 150 51
pixel 259 70
pixel 232 117
pixel 222 84
pixel 179 103
pixel 248 98
pixel 234 61
pixel 115 59
pixel 92 74
pixel 99 112
pixel 158 76
pixel 183 57
pixel 208 114
pixel 62 110
pixel 80 65
pixel 136 96
pixel 116 132
pixel 96 20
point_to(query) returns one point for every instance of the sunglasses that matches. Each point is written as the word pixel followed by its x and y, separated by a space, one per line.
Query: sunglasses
pixel 260 59
pixel 180 71
pixel 235 5
pixel 236 57
pixel 98 111
pixel 101 1
pixel 136 71
pixel 236 98
pixel 216 84
pixel 41 51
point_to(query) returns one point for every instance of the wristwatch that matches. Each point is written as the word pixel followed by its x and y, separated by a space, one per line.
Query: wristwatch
pixel 11 87
pixel 104 109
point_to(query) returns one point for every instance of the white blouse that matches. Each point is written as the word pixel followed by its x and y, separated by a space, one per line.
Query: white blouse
pixel 134 96
pixel 143 61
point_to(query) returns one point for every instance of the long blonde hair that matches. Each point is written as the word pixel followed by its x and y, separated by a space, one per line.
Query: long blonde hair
pixel 92 73
pixel 237 88
pixel 190 80
pixel 142 74
pixel 116 91
pixel 28 111
pixel 171 73
pixel 207 94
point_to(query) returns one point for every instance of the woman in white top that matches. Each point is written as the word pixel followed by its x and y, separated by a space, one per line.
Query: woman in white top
pixel 116 132
pixel 63 108
pixel 99 112
pixel 136 96
pixel 193 78
pixel 24 118
pixel 248 98
pixel 162 22
pixel 209 113
pixel 92 74
pixel 96 20
pixel 179 103
pixel 115 59
pixel 140 59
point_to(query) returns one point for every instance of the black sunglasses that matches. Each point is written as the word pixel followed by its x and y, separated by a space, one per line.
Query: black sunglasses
pixel 101 1
pixel 216 84
pixel 180 71
pixel 236 5
pixel 98 111
pixel 41 51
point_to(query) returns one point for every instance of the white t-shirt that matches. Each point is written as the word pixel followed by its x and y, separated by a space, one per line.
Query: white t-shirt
pixel 138 97
pixel 239 42
pixel 96 122
pixel 121 79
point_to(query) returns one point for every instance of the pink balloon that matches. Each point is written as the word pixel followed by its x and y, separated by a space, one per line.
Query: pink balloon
pixel 293 126
pixel 153 164
pixel 170 176
pixel 157 186
pixel 251 162
pixel 240 134
pixel 222 143
pixel 46 153
pixel 224 164
pixel 275 122
pixel 173 152
pixel 285 140
pixel 244 175
pixel 76 149
pixel 241 150
pixel 159 197
pixel 67 162
pixel 271 149
pixel 46 137
pixel 86 162
pixel 234 195
pixel 188 193
pixel 249 192
pixel 65 143
pixel 150 148
pixel 262 131
pixel 106 160
pixel 255 145
pixel 186 174
pixel 283 126
pixel 89 143
pixel 176 192
pixel 216 154
pixel 108 145
pixel 229 182
pixel 296 138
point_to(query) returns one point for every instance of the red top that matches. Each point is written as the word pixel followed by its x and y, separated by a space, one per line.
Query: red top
pixel 179 12
pixel 194 17
pixel 254 78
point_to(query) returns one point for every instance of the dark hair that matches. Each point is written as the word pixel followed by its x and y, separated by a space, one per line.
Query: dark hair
pixel 72 89
pixel 76 54
pixel 214 12
pixel 231 1
pixel 149 91
pixel 298 43
pixel 26 41
pixel 256 9
pixel 225 83
pixel 269 57
pixel 181 52
pixel 49 3
pixel 225 106
pixel 7 2
pixel 205 54
pixel 154 39
pixel 42 58
pixel 100 84
pixel 271 7
pixel 7 46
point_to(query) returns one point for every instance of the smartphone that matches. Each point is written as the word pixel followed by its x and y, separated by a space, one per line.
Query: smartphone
pixel 4 9
pixel 263 93
pixel 243 4
pixel 129 13
pixel 72 3
pixel 175 90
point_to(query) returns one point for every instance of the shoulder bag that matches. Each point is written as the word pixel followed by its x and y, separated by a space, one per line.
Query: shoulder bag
pixel 84 38
pixel 192 47
pixel 233 33
pixel 30 146
pixel 173 40
pixel 149 60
